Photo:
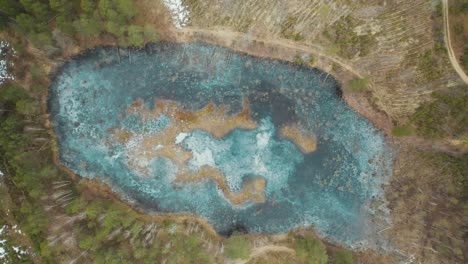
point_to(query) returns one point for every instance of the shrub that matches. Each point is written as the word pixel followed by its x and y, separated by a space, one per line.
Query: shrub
pixel 298 60
pixel 446 115
pixel 358 85
pixel 25 23
pixel 36 72
pixel 150 33
pixel 75 206
pixel 126 8
pixel 287 29
pixel 26 107
pixel 428 66
pixel 464 59
pixel 115 29
pixel 402 131
pixel 12 93
pixel 87 6
pixel 65 25
pixel 87 26
pixel 135 36
pixel 237 247
pixel 343 257
pixel 312 60
pixel 348 43
pixel 311 250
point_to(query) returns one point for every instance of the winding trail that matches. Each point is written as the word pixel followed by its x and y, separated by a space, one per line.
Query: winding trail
pixel 230 36
pixel 448 43
pixel 256 252
pixel 225 38
pixel 318 50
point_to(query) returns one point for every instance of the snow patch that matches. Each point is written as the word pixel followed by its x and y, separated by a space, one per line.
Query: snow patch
pixel 203 158
pixel 2 243
pixel 262 139
pixel 17 230
pixel 259 165
pixel 158 147
pixel 2 253
pixel 180 137
pixel 5 50
pixel 265 133
pixel 179 12
pixel 18 250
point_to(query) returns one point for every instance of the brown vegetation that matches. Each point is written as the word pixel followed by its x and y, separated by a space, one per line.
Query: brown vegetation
pixel 304 140
pixel 426 198
pixel 458 20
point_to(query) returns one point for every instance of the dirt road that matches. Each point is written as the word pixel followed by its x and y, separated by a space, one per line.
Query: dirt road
pixel 229 36
pixel 256 252
pixel 448 42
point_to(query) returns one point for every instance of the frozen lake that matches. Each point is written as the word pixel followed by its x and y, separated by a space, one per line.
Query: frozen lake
pixel 249 144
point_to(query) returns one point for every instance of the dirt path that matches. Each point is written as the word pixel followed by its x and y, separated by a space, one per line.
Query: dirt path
pixel 263 250
pixel 448 42
pixel 230 36
pixel 286 50
pixel 449 146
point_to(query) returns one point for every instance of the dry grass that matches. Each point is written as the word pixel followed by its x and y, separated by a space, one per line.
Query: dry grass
pixel 401 29
pixel 424 197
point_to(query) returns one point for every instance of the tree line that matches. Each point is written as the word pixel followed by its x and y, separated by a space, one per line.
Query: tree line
pixel 37 19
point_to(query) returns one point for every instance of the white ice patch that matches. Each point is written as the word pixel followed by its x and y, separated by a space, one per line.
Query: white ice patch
pixel 142 162
pixel 262 139
pixel 179 12
pixel 2 253
pixel 158 147
pixel 20 251
pixel 17 230
pixel 265 133
pixel 204 157
pixel 4 75
pixel 259 165
pixel 180 137
pixel 2 243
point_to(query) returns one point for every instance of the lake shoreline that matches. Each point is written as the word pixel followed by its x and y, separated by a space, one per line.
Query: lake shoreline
pixel 307 77
pixel 281 50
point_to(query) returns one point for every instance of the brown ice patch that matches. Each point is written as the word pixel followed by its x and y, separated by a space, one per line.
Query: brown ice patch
pixel 252 190
pixel 213 119
pixel 306 141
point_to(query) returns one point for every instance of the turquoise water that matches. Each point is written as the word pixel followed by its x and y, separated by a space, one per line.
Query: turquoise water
pixel 329 189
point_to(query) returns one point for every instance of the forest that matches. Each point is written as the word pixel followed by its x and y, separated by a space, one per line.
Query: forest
pixel 50 205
